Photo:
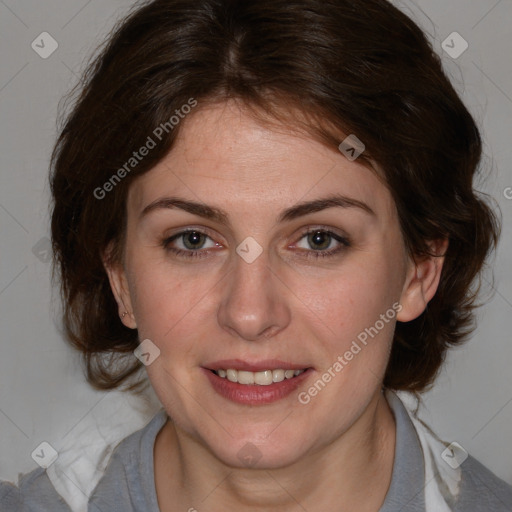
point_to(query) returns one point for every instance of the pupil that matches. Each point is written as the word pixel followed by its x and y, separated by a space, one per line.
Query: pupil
pixel 319 238
pixel 193 240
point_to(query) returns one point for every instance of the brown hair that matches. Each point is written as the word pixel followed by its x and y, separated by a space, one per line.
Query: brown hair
pixel 351 70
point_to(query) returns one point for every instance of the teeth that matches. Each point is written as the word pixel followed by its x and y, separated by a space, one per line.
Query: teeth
pixel 264 378
pixel 277 375
pixel 289 374
pixel 245 377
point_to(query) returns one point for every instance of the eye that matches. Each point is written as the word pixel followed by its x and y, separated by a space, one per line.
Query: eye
pixel 190 243
pixel 194 243
pixel 320 243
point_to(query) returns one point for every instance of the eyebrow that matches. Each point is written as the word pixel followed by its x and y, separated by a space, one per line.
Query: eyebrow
pixel 294 212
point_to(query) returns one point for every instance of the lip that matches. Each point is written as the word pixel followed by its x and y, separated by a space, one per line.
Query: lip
pixel 253 394
pixel 259 366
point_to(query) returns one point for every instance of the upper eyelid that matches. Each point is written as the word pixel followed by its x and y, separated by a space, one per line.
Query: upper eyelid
pixel 183 231
pixel 342 239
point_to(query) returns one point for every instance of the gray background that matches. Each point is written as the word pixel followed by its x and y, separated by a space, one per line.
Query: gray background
pixel 43 395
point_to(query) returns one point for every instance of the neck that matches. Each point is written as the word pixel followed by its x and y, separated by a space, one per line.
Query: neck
pixel 351 473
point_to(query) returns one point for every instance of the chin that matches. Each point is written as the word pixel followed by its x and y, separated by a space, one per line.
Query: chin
pixel 255 452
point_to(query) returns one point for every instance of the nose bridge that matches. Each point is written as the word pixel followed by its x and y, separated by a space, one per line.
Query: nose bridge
pixel 252 304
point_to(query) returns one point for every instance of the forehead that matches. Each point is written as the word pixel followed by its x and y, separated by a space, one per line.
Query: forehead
pixel 223 152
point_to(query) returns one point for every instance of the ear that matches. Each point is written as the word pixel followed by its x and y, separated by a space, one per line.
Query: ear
pixel 119 286
pixel 423 276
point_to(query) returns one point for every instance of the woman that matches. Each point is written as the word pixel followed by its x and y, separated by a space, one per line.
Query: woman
pixel 270 204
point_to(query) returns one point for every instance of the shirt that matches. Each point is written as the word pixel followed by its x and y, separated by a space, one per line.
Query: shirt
pixel 128 484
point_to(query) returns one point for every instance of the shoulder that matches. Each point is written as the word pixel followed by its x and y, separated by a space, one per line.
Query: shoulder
pixel 125 482
pixel 9 496
pixel 468 487
pixel 128 481
pixel 481 490
pixel 34 492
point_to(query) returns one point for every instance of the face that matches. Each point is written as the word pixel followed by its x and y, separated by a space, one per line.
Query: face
pixel 250 251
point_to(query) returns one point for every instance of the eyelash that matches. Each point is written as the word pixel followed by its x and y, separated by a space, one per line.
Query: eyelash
pixel 345 242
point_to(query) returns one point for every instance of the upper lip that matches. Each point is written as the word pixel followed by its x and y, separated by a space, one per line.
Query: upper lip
pixel 256 366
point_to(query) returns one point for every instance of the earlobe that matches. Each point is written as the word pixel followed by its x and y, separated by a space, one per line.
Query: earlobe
pixel 422 281
pixel 119 286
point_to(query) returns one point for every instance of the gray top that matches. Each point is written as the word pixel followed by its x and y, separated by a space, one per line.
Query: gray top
pixel 128 484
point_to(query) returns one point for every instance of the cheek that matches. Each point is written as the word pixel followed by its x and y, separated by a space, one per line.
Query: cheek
pixel 172 305
pixel 161 301
pixel 352 298
pixel 356 312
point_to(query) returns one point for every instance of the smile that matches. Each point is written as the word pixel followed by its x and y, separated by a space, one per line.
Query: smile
pixel 255 383
pixel 262 378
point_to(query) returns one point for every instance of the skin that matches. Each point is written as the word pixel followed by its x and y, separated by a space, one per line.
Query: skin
pixel 337 451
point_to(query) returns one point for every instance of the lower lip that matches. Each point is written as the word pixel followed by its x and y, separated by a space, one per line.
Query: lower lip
pixel 252 394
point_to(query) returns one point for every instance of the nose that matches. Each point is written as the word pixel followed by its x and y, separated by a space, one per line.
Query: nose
pixel 254 302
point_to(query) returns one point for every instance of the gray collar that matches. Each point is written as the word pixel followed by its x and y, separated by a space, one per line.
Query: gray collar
pixel 406 492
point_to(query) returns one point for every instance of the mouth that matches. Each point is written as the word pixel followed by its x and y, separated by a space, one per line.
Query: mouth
pixel 261 378
pixel 255 384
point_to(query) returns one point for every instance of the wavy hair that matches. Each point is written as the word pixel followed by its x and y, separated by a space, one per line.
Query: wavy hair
pixel 348 70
